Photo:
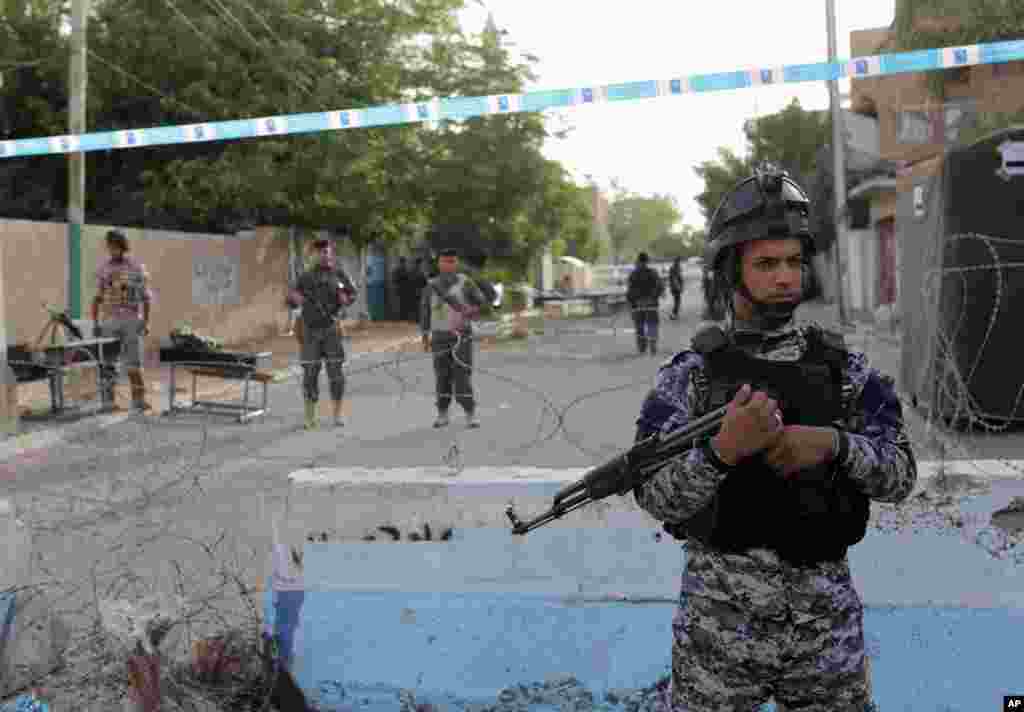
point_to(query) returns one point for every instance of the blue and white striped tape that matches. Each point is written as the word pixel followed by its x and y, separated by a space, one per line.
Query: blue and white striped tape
pixel 468 107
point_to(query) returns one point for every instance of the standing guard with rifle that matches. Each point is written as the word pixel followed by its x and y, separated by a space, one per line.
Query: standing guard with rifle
pixel 450 302
pixel 762 448
pixel 323 292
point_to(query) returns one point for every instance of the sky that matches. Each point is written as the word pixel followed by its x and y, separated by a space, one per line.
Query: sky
pixel 653 145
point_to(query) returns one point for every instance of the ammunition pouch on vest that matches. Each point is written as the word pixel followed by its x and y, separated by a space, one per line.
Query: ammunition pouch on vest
pixel 809 518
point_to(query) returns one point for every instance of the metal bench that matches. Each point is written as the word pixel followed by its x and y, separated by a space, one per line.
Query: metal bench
pixel 232 366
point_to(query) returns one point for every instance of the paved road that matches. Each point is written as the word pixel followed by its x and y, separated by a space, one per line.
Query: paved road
pixel 568 398
pixel 128 499
pixel 136 495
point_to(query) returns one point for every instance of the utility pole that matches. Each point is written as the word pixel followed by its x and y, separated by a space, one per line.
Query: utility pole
pixel 76 161
pixel 8 381
pixel 838 165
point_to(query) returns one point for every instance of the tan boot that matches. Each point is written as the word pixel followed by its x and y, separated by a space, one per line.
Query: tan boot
pixel 312 421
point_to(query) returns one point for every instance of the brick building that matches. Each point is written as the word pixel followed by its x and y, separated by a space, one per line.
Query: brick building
pixel 913 130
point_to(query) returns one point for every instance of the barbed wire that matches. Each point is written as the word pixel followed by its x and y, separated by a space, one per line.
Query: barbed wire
pixel 125 523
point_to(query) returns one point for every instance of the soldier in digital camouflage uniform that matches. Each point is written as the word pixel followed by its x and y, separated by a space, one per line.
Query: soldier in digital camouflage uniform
pixel 449 304
pixel 769 505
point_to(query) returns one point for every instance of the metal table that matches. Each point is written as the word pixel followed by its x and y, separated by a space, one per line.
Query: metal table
pixel 604 302
pixel 232 366
pixel 52 360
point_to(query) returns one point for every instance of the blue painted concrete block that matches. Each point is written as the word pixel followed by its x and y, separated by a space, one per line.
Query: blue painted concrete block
pixel 456 622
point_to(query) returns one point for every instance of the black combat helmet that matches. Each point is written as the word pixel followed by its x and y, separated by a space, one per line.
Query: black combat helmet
pixel 769 205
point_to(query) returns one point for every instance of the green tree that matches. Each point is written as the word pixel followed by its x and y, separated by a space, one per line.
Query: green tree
pixel 925 24
pixel 320 56
pixel 489 180
pixel 33 64
pixel 635 221
pixel 790 138
pixel 720 176
pixel 689 242
pixel 157 63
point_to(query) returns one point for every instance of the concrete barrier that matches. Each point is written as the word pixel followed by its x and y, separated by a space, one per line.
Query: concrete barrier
pixel 349 503
pixel 489 616
pixel 457 623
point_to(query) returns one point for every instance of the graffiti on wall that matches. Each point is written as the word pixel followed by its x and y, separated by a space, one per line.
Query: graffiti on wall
pixel 215 280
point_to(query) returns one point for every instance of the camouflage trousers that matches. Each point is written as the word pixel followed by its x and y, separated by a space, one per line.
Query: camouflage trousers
pixel 724 658
pixel 322 344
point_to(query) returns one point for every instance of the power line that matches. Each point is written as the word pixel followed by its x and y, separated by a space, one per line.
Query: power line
pixel 141 83
pixel 212 44
pixel 303 81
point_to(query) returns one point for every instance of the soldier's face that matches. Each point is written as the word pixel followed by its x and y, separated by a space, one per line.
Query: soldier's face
pixel 326 256
pixel 773 270
pixel 448 264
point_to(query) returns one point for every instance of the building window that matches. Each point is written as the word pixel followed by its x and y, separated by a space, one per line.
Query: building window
pixel 941 124
pixel 914 126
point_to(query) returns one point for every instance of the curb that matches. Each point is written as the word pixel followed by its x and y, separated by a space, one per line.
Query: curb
pixel 506 476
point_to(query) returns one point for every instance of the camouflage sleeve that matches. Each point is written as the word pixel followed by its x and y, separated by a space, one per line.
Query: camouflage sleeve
pixel 684 485
pixel 473 294
pixel 877 455
pixel 347 282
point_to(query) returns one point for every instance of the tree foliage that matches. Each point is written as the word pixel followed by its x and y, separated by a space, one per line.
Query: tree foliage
pixel 689 242
pixel 635 222
pixel 163 62
pixel 926 24
pixel 790 138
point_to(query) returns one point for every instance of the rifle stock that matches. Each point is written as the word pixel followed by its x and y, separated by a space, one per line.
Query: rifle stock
pixel 624 472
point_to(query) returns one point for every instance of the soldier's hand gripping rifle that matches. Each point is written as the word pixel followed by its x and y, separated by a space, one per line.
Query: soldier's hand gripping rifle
pixel 624 472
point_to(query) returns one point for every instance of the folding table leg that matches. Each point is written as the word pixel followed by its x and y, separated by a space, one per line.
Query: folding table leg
pixel 245 398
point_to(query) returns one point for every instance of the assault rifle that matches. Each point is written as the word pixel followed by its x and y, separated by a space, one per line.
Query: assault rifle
pixel 624 472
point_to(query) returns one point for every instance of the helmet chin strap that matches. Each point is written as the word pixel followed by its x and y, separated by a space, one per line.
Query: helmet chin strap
pixel 769 317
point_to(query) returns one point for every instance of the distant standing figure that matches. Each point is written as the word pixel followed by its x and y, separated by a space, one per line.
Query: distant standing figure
pixel 450 303
pixel 322 293
pixel 675 285
pixel 122 286
pixel 643 294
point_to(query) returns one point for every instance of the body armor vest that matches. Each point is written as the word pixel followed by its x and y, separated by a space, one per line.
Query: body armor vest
pixel 809 518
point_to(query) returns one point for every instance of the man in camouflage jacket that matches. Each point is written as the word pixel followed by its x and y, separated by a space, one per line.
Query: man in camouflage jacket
pixel 761 615
pixel 449 304
pixel 322 292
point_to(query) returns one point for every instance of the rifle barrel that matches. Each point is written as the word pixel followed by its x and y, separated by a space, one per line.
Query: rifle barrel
pixel 643 459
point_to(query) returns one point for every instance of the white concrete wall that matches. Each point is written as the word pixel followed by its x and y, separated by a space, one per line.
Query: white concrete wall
pixel 855 246
pixel 547 271
pixel 863 255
